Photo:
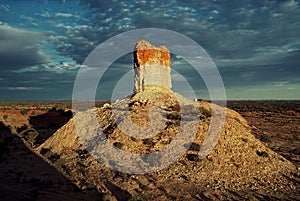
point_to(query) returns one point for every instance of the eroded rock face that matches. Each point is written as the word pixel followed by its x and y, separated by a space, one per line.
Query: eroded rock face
pixel 151 66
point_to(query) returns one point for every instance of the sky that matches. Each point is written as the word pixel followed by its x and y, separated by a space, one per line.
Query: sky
pixel 255 44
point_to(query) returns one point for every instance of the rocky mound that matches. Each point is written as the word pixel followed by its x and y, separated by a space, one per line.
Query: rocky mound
pixel 131 136
pixel 240 165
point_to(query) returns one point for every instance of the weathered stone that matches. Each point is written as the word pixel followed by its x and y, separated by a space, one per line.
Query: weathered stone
pixel 151 66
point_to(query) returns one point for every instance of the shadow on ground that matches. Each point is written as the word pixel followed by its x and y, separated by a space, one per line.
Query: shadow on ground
pixel 48 123
pixel 26 176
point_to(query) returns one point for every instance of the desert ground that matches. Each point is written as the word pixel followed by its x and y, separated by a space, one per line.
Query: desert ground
pixel 30 175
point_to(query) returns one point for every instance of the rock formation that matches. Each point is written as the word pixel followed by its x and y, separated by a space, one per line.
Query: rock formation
pixel 151 66
pixel 239 166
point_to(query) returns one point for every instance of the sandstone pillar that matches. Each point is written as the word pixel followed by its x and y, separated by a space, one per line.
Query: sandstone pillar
pixel 151 66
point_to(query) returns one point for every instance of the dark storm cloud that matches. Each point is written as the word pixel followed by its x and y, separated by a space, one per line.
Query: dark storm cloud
pixel 39 85
pixel 231 30
pixel 252 42
pixel 19 48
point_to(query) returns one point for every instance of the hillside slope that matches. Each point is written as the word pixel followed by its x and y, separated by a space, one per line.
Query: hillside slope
pixel 239 166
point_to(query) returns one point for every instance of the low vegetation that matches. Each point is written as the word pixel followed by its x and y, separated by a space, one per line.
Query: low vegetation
pixel 25 111
pixel 5 116
pixel 29 135
pixel 119 145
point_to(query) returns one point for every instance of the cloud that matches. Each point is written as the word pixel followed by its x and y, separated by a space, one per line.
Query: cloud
pixel 227 30
pixel 63 15
pixel 252 42
pixel 39 85
pixel 55 67
pixel 4 8
pixel 57 15
pixel 24 88
pixel 19 48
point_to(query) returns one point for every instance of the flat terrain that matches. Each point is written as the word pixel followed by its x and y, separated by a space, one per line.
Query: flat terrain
pixel 275 123
pixel 25 175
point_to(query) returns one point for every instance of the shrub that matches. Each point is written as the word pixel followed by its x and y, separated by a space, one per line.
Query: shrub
pixel 61 162
pixel 5 116
pixel 29 134
pixel 206 112
pixel 53 157
pixel 24 111
pixel 118 144
pixel 195 147
pixel 174 116
pixel 135 198
pixel 193 157
pixel 149 142
pixel 44 151
pixel 22 128
pixel 107 197
pixel 52 109
pixel 82 151
pixel 32 135
pixel 262 153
